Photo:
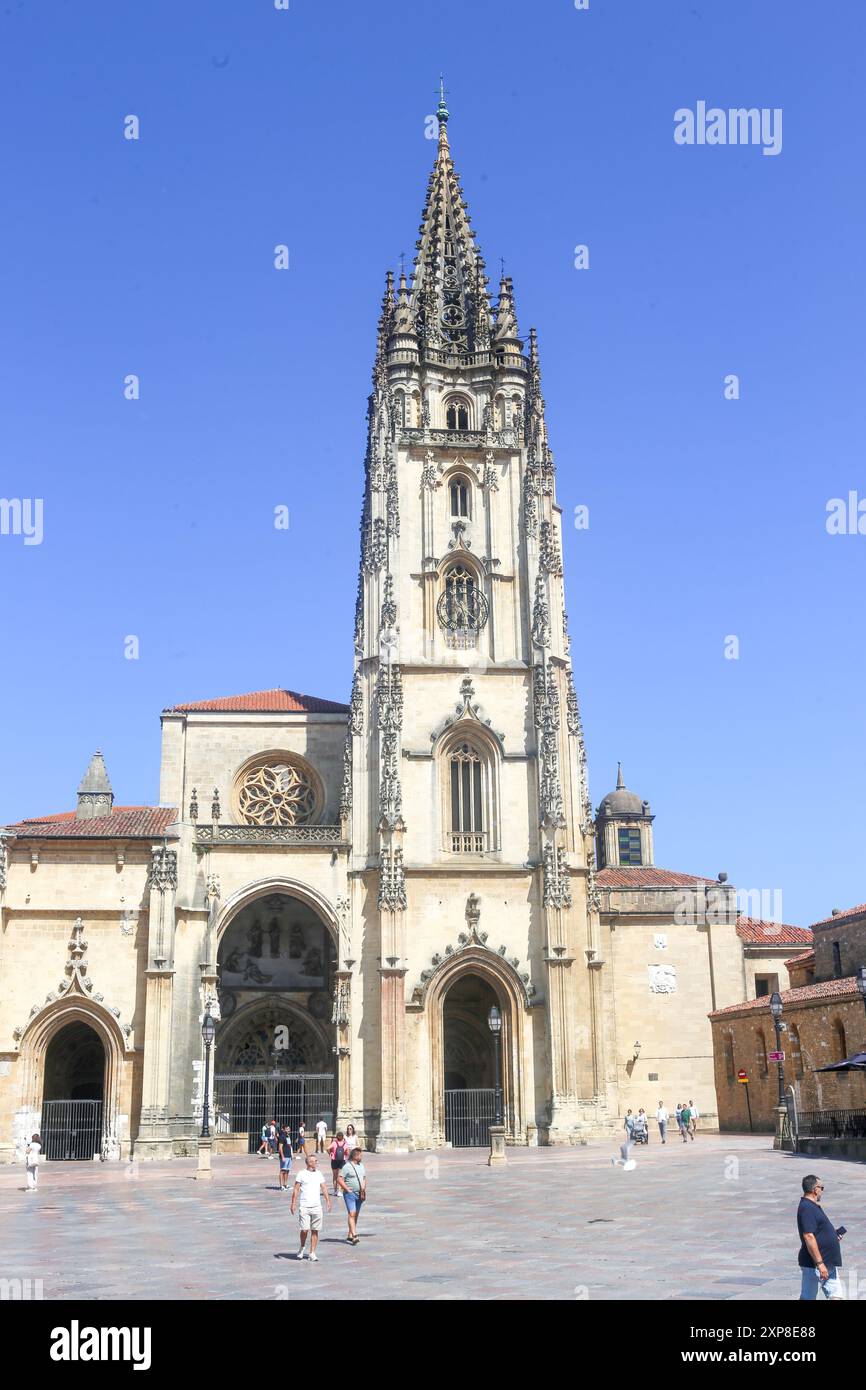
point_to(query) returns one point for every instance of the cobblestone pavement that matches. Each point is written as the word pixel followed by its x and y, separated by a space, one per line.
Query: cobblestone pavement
pixel 713 1220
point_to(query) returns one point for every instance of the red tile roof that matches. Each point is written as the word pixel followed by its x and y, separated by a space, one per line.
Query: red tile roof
pixel 827 989
pixel 124 823
pixel 760 933
pixel 267 702
pixel 840 916
pixel 646 875
pixel 805 958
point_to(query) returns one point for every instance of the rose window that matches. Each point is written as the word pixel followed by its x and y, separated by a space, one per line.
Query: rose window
pixel 276 794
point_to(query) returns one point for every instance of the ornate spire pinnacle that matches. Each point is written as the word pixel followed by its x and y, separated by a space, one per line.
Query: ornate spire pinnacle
pixel 95 797
pixel 506 316
pixel 449 299
pixel 620 784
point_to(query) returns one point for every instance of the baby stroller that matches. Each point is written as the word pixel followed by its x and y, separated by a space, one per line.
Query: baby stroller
pixel 640 1133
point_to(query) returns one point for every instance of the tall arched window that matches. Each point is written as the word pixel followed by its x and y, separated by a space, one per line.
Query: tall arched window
pixel 730 1071
pixel 458 491
pixel 457 415
pixel 468 830
pixel 796 1051
pixel 761 1053
pixel 462 608
pixel 840 1042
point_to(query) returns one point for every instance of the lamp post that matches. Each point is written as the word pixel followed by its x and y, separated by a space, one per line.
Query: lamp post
pixel 861 983
pixel 776 1007
pixel 497 1130
pixel 208 1031
pixel 776 1010
pixel 494 1023
pixel 205 1142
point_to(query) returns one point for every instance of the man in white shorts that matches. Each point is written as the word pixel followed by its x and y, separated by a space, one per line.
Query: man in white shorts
pixel 307 1193
pixel 321 1135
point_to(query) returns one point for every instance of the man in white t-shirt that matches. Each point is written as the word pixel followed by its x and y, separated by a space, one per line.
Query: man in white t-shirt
pixel 662 1117
pixel 307 1195
pixel 693 1122
pixel 321 1136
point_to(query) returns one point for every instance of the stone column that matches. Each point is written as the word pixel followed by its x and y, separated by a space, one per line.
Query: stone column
pixel 154 1139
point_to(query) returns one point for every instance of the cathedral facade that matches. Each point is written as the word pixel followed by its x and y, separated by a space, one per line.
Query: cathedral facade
pixel 400 911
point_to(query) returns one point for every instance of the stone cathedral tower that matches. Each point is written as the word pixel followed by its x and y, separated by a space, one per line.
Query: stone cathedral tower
pixel 472 874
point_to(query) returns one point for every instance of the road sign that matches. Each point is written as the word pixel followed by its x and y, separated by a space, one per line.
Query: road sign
pixel 741 1076
pixel 775 1056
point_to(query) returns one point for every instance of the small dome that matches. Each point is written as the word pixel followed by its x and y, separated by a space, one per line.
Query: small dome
pixel 622 802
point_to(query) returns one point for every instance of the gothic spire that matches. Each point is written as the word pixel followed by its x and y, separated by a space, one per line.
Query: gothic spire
pixel 449 298
pixel 506 333
pixel 620 784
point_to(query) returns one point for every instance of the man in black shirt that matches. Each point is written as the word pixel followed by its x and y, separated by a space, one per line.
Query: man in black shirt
pixel 820 1256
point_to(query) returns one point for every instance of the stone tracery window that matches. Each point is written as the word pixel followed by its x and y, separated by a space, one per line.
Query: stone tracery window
pixel 468 827
pixel 276 793
pixel 462 609
pixel 457 414
pixel 459 496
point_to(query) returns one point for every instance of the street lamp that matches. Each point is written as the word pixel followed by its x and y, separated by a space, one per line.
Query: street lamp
pixel 494 1023
pixel 208 1031
pixel 776 1007
pixel 861 983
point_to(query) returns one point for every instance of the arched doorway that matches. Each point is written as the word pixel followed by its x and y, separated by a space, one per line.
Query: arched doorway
pixel 274 1054
pixel 469 1058
pixel 73 1093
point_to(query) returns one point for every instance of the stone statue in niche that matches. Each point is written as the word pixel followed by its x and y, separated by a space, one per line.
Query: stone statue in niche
pixel 313 961
pixel 274 934
pixel 662 979
pixel 254 938
pixel 296 941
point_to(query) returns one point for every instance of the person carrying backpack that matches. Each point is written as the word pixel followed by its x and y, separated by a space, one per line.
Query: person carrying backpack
pixel 339 1152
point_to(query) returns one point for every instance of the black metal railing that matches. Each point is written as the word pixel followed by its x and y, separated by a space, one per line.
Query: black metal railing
pixel 832 1124
pixel 71 1129
pixel 244 1101
pixel 468 1117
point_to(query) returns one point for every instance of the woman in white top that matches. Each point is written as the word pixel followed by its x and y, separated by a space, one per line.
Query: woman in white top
pixel 31 1159
pixel 352 1138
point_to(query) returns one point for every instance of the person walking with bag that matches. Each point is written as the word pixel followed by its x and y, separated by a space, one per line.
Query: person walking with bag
pixel 352 1182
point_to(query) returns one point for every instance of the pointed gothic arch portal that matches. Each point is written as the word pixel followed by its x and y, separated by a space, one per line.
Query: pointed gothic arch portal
pixel 464 1069
pixel 275 1055
pixel 73 1091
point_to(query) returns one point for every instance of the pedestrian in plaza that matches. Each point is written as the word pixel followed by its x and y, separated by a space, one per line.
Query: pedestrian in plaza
pixel 628 1125
pixel 321 1135
pixel 339 1152
pixel 301 1139
pixel 352 1181
pixel 662 1121
pixel 309 1189
pixel 642 1123
pixel 820 1257
pixel 264 1146
pixel 351 1137
pixel 32 1156
pixel 273 1143
pixel 695 1118
pixel 284 1142
pixel 679 1116
pixel 685 1127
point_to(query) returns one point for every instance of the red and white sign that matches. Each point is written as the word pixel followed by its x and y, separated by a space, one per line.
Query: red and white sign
pixel 741 1076
pixel 775 1056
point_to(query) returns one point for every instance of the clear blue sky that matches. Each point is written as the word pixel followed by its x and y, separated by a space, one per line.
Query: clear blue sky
pixel 707 516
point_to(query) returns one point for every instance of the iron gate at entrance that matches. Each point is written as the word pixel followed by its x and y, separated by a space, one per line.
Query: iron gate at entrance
pixel 468 1117
pixel 246 1101
pixel 71 1129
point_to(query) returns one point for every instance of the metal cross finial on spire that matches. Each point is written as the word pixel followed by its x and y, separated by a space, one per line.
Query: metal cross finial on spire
pixel 442 109
pixel 502 267
pixel 402 263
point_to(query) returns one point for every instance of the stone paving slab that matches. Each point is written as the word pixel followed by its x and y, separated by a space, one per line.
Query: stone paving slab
pixel 713 1220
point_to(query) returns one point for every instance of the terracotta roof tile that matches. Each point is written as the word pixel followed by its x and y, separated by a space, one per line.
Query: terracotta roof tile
pixel 805 958
pixel 826 989
pixel 646 875
pixel 840 916
pixel 761 933
pixel 124 823
pixel 274 701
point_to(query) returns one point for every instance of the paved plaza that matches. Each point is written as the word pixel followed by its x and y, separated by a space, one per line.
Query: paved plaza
pixel 714 1220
